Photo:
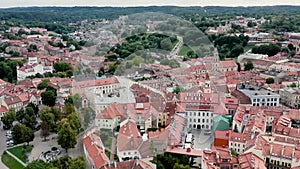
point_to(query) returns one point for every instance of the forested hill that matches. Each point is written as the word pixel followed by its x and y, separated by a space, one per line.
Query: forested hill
pixel 69 14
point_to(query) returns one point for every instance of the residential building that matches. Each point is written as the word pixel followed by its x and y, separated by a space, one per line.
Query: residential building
pixel 31 70
pixel 94 151
pixel 228 65
pixel 237 141
pixel 130 144
pixel 221 138
pixel 290 97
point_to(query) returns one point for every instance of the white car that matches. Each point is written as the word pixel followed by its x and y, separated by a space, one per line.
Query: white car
pixel 8 133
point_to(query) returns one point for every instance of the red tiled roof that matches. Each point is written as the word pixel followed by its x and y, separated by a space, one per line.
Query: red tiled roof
pixel 222 134
pixel 97 82
pixel 12 100
pixel 228 64
pixel 95 153
pixel 3 109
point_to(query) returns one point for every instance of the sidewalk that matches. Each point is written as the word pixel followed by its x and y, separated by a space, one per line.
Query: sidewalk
pixel 21 162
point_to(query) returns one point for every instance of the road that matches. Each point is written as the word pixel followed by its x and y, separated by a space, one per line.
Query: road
pixel 202 141
pixel 2 145
pixel 174 53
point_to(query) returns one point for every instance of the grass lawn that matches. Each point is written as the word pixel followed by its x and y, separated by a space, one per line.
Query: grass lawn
pixel 21 152
pixel 105 136
pixel 184 50
pixel 10 162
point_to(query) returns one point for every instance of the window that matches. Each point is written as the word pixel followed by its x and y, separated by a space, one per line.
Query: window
pixel 203 120
pixel 198 120
pixel 275 99
pixel 203 114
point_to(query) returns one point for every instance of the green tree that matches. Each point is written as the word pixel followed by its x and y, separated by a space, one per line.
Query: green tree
pixel 249 66
pixel 178 89
pixel 76 100
pixel 181 166
pixel 48 118
pixel 234 153
pixel 9 118
pixel 39 164
pixel 29 118
pixel 293 85
pixel 69 109
pixel 270 80
pixel 28 135
pixel 20 114
pixel 74 121
pixel 45 130
pixel 166 44
pixel 66 136
pixel 48 98
pixel 22 134
pixel 77 163
pixel 43 84
pixel 62 66
pixel 235 129
pixel 67 162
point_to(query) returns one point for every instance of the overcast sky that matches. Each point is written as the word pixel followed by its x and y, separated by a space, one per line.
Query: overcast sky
pixel 23 3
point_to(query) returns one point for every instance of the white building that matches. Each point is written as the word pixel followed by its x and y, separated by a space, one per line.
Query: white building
pixel 31 70
pixel 259 96
pixel 290 97
pixel 237 141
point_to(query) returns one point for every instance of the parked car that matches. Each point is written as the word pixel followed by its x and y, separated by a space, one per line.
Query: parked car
pixel 8 132
pixel 10 145
pixel 207 132
pixel 38 127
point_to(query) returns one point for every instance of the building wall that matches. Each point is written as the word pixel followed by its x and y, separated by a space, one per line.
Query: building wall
pixel 290 99
pixel 237 146
pixel 221 142
pixel 107 123
pixel 200 119
pixel 131 154
pixel 265 100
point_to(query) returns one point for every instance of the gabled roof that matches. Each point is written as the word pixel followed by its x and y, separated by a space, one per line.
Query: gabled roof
pixel 95 153
pixel 12 100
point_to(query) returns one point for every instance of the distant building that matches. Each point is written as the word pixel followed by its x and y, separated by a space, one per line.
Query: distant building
pixel 290 97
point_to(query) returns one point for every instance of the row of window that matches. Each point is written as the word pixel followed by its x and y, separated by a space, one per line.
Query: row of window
pixel 237 145
pixel 199 114
pixel 129 153
pixel 263 104
pixel 208 127
pixel 199 120
pixel 268 99
pixel 285 164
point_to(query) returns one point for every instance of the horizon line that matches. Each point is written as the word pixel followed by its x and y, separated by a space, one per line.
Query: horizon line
pixel 132 6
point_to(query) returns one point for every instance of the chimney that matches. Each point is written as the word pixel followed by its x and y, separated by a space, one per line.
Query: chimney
pixel 271 149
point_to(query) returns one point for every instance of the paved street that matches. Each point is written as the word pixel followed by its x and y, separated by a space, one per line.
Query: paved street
pixel 41 146
pixel 2 145
pixel 202 141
